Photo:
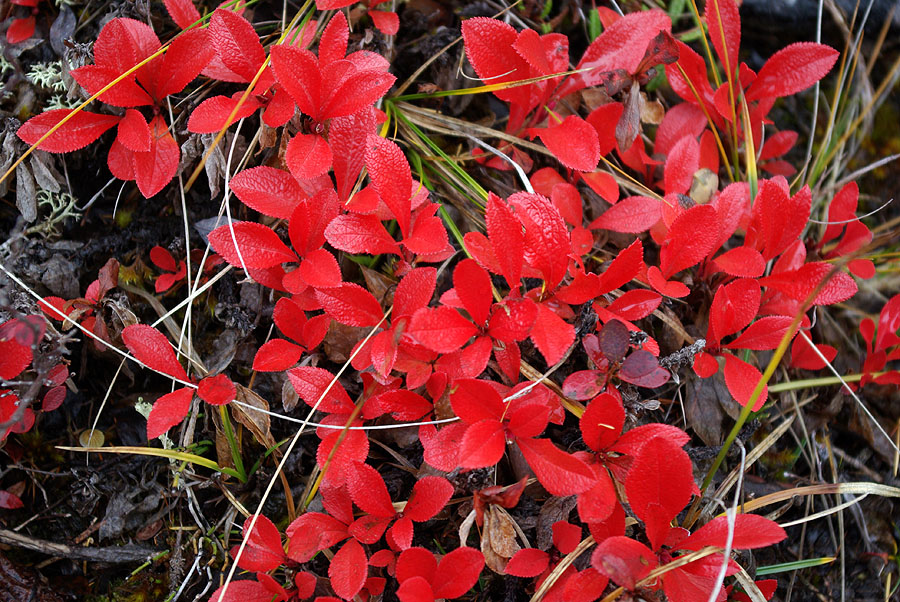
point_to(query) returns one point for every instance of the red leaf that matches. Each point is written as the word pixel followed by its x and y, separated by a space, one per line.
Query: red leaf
pixel 167 411
pixel 734 307
pixel 355 233
pixel 415 589
pixel 803 356
pixel 551 335
pixel 681 164
pixel 242 591
pixel 156 168
pixel 574 142
pixel 263 551
pixel 566 536
pixel 369 492
pixel 512 319
pixel 429 496
pixel 780 218
pixel 347 138
pixel 387 22
pixel 528 562
pixel 692 236
pixel 123 43
pixel 10 501
pixel 792 69
pixel 560 473
pixel 764 334
pixel 348 570
pixel 669 288
pixel 584 384
pixel 20 30
pixel 473 287
pixel 745 262
pixel 505 233
pixel 276 355
pixel 236 43
pixel 355 92
pixel 623 560
pixel 312 532
pixel 482 445
pixel 391 178
pixel 212 114
pixel 183 12
pixel 623 268
pixel 659 485
pixel 333 44
pixel 635 304
pixel 310 384
pixel 259 246
pixel 319 269
pixel 270 191
pixel 602 422
pixel 14 358
pixel 82 129
pixel 403 405
pixel 741 379
pixel 724 24
pixel 53 398
pixel 297 70
pixel 341 455
pixel 475 400
pixel 440 329
pixel 621 46
pixel 188 54
pixel 216 390
pixel 750 531
pixel 547 243
pixel 350 304
pixel 778 145
pixel 151 348
pixel 632 214
pixel 798 284
pixel 489 47
pixel 134 132
pixel 414 291
pixel 308 156
pixel 457 572
pixel 416 562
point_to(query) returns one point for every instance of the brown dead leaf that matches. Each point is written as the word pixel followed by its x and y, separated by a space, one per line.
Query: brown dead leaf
pixel 554 510
pixel 339 341
pixel 498 540
pixel 258 423
pixel 703 408
pixel 379 285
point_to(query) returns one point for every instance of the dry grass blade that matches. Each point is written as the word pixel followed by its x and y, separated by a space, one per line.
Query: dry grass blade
pixel 821 489
pixel 560 568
